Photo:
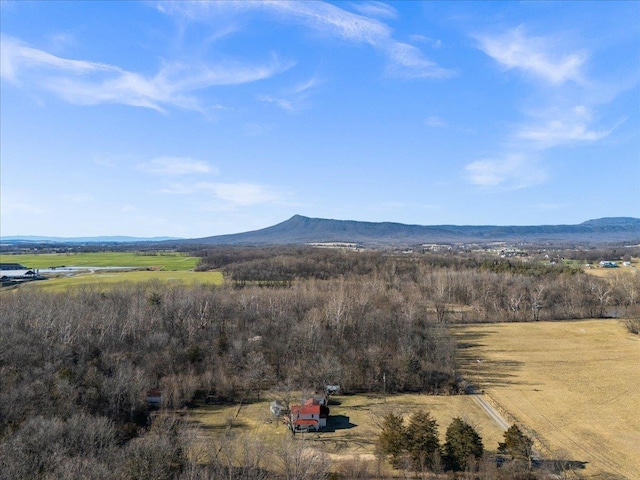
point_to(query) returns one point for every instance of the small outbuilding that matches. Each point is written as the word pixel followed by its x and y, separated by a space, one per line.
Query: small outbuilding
pixel 154 397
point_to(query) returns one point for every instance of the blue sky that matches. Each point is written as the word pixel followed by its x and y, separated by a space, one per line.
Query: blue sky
pixel 192 119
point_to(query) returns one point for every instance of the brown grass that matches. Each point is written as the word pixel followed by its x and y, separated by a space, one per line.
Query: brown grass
pixel 598 271
pixel 364 415
pixel 574 385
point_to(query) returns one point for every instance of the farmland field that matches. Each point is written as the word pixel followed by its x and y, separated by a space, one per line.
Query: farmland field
pixel 360 414
pixel 574 385
pixel 164 267
pixel 170 261
pixel 109 278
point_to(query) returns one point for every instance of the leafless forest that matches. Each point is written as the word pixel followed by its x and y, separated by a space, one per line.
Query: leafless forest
pixel 74 367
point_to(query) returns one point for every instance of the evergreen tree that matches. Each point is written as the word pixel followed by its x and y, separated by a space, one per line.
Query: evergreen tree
pixel 462 442
pixel 423 444
pixel 517 444
pixel 392 440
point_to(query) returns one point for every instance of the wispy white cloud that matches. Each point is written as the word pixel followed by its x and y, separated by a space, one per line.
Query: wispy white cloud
pixel 283 103
pixel 435 122
pixel 539 56
pixel 16 57
pixel 178 189
pixel 172 166
pixel 240 194
pixel 256 129
pixel 375 9
pixel 90 83
pixel 60 41
pixel 404 60
pixel 408 62
pixel 243 194
pixel 309 84
pixel 511 172
pixel 564 115
pixel 543 130
pixel 559 128
pixel 432 42
pixel 292 99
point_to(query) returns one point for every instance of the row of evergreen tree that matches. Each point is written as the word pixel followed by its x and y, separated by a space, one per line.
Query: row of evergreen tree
pixel 416 445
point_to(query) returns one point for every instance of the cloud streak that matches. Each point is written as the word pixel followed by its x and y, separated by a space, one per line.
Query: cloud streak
pixel 537 56
pixel 91 83
pixel 511 172
pixel 557 132
pixel 292 99
pixel 559 76
pixel 172 166
pixel 240 194
pixel 403 60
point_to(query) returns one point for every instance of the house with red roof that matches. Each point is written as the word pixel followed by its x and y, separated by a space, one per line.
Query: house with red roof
pixel 310 416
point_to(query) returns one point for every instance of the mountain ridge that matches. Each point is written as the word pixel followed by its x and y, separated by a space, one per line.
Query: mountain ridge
pixel 300 229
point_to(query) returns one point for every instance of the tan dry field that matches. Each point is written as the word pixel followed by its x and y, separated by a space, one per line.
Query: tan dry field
pixel 597 271
pixel 574 385
pixel 611 272
pixel 359 414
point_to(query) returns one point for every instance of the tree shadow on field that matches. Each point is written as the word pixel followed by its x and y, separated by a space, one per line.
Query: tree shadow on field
pixel 489 373
pixel 471 339
pixel 338 422
pixel 562 465
pixel 218 427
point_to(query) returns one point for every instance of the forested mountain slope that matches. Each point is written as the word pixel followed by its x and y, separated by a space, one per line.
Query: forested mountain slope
pixel 299 229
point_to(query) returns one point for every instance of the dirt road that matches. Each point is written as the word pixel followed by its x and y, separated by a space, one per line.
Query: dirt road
pixel 492 412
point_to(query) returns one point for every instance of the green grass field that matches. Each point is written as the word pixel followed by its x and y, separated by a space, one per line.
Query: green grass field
pixel 169 261
pixel 163 267
pixel 110 278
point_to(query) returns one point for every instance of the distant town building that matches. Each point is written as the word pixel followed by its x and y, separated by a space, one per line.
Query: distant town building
pixel 608 264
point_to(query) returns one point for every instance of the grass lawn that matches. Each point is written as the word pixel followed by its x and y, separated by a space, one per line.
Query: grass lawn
pixel 110 278
pixel 360 414
pixel 170 261
pixel 575 385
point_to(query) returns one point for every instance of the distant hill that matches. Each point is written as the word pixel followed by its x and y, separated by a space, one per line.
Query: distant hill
pixel 300 230
pixel 15 239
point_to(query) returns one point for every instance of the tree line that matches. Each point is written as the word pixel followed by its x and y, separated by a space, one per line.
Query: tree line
pixel 458 288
